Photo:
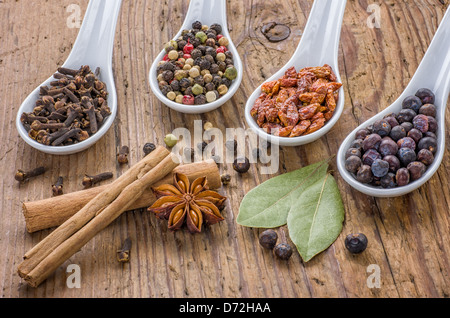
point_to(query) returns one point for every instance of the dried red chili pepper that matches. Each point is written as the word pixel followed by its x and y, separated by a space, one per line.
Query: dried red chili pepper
pixel 297 104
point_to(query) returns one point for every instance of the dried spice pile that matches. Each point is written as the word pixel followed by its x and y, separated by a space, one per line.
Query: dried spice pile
pixel 198 67
pixel 70 110
pixel 396 150
pixel 297 104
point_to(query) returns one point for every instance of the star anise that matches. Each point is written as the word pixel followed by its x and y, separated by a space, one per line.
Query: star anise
pixel 183 202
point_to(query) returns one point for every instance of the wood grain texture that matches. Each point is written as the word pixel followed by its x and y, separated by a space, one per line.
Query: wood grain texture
pixel 408 236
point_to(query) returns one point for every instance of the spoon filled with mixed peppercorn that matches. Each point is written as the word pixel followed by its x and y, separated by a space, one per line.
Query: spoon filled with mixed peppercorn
pixel 401 148
pixel 200 69
pixel 304 99
pixel 75 107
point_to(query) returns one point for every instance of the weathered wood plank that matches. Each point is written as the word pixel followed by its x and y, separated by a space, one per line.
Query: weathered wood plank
pixel 408 236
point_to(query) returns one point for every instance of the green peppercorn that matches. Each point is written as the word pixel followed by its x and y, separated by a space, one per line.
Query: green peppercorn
pixel 197 89
pixel 231 73
pixel 201 36
pixel 171 140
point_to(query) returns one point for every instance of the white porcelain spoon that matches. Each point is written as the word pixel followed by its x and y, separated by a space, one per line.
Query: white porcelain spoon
pixel 319 45
pixel 93 47
pixel 207 12
pixel 433 73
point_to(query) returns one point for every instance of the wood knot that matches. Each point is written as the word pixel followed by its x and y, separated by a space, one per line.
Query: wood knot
pixel 275 32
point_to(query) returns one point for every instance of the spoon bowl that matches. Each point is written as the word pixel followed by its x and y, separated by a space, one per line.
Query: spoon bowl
pixel 208 12
pixel 93 47
pixel 319 45
pixel 432 73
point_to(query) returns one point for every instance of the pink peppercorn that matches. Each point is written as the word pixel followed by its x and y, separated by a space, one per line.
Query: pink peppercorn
pixel 188 48
pixel 188 100
pixel 166 57
pixel 187 56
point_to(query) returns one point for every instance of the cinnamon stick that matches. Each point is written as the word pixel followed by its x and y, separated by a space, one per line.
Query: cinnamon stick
pixel 54 211
pixel 77 221
pixel 45 258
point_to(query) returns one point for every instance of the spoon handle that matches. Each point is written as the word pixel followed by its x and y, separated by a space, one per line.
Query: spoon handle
pixel 206 11
pixel 321 35
pixel 434 70
pixel 95 42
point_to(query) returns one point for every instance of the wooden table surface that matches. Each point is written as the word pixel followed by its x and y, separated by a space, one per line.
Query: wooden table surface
pixel 408 236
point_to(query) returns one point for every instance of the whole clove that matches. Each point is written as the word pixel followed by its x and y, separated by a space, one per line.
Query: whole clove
pixel 57 188
pixel 90 181
pixel 70 110
pixel 122 156
pixel 22 176
pixel 123 255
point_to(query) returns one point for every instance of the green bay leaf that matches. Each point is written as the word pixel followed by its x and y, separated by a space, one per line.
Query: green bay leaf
pixel 316 218
pixel 268 205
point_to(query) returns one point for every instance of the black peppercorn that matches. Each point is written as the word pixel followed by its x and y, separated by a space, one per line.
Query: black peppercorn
pixel 241 165
pixel 197 25
pixel 167 76
pixel 175 85
pixel 195 42
pixel 181 44
pixel 216 27
pixel 222 66
pixel 188 91
pixel 202 49
pixel 168 66
pixel 148 148
pixel 197 61
pixel 196 53
pixel 210 42
pixel 229 55
pixel 217 80
pixel 162 83
pixel 210 87
pixel 211 51
pixel 268 239
pixel 283 251
pixel 204 64
pixel 356 243
pixel 226 82
pixel 199 80
pixel 166 89
pixel 226 179
pixel 200 99
pixel 185 83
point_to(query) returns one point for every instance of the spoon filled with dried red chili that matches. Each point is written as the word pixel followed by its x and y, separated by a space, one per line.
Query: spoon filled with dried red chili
pixel 400 149
pixel 304 99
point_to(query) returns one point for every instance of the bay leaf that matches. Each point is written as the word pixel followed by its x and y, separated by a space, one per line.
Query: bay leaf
pixel 316 218
pixel 268 205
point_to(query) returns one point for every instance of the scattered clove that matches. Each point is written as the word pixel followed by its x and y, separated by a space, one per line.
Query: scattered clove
pixel 57 188
pixel 22 176
pixel 90 181
pixel 70 110
pixel 122 156
pixel 123 255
